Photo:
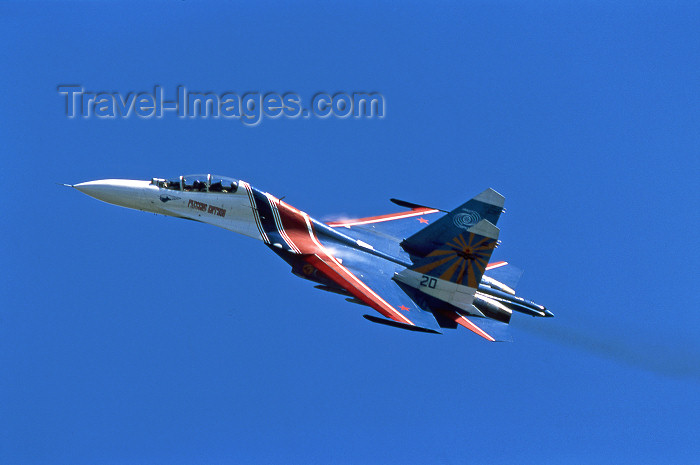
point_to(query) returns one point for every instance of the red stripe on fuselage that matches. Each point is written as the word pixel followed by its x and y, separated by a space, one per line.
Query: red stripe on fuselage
pixel 299 229
pixel 294 223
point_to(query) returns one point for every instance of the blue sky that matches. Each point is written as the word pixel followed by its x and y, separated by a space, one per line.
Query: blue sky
pixel 131 338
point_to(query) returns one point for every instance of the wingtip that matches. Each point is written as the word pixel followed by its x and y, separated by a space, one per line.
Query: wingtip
pixel 412 206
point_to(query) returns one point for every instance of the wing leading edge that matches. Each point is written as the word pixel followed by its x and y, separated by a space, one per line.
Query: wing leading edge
pixel 396 226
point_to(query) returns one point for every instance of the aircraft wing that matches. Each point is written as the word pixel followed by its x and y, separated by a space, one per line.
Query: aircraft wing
pixel 419 228
pixel 391 292
pixel 396 226
pixel 369 280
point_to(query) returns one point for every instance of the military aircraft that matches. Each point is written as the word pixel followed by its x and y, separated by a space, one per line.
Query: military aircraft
pixel 423 269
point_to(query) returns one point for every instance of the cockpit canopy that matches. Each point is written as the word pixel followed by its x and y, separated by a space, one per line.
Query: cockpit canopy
pixel 199 183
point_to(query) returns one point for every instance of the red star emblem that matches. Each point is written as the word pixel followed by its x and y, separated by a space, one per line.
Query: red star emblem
pixel 422 220
pixel 404 308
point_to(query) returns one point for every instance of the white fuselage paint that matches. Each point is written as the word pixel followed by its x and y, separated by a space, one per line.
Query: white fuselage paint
pixel 230 211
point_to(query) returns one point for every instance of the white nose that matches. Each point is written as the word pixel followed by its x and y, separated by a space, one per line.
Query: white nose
pixel 123 192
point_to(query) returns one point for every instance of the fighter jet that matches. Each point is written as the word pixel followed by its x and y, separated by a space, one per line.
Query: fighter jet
pixel 422 269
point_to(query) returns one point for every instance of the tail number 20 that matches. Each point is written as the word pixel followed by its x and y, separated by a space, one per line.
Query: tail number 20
pixel 428 281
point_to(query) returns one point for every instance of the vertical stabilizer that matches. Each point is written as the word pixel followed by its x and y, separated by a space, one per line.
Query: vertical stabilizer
pixel 486 206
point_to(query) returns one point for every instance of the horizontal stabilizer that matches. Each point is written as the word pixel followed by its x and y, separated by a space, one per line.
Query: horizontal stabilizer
pixel 491 330
pixel 396 324
pixel 506 274
pixel 496 329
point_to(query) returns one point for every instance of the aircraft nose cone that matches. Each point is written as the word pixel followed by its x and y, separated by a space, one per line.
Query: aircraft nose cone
pixel 122 192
